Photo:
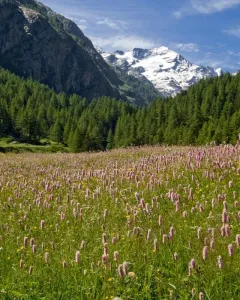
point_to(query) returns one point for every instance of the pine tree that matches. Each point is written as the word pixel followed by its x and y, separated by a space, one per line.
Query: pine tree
pixel 110 139
pixel 5 123
pixel 75 142
pixel 56 132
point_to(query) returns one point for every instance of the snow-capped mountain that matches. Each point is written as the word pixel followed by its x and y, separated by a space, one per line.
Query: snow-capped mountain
pixel 235 73
pixel 169 72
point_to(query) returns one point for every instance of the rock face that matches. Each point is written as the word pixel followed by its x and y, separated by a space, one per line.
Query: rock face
pixel 168 71
pixel 137 89
pixel 36 42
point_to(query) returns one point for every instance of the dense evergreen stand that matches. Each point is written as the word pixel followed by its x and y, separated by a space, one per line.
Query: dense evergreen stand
pixel 208 111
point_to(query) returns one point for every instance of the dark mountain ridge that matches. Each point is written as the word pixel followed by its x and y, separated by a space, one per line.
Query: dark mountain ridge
pixel 36 42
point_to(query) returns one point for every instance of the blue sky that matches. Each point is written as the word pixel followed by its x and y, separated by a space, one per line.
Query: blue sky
pixel 207 32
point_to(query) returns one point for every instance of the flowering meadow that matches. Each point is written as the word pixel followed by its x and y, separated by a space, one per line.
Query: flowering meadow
pixel 146 223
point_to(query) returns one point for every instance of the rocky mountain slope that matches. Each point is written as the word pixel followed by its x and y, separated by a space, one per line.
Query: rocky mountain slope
pixel 167 70
pixel 138 90
pixel 36 42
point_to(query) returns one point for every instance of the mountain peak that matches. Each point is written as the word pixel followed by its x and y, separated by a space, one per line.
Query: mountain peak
pixel 160 50
pixel 119 52
pixel 219 71
pixel 168 70
pixel 140 53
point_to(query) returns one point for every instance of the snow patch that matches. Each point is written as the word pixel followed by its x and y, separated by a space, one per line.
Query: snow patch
pixel 169 72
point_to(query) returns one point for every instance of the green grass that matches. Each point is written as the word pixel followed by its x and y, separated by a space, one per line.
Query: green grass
pixel 9 145
pixel 71 192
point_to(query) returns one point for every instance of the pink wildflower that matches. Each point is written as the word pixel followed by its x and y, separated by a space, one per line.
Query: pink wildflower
pixel 21 264
pixel 104 257
pixel 25 242
pixel 190 270
pixel 171 232
pixel 198 233
pixel 42 223
pixel 175 256
pixel 230 250
pixel 220 262
pixel 77 257
pixel 159 220
pixel 120 271
pixel 125 268
pixel 212 244
pixel 115 255
pixel 192 263
pixel 205 252
pixel 238 240
pixel 164 239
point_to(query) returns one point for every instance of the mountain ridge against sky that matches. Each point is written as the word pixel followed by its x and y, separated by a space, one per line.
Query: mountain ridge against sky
pixel 168 71
pixel 36 42
pixel 39 43
pixel 206 32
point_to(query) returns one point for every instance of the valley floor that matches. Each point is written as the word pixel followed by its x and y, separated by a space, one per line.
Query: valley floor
pixel 140 223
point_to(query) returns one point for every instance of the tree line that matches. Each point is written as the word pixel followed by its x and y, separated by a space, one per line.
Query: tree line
pixel 31 111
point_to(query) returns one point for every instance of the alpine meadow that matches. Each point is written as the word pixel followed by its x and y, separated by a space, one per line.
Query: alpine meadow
pixel 119 150
pixel 149 223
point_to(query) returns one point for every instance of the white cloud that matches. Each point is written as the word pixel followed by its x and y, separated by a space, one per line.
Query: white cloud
pixel 76 19
pixel 116 24
pixel 212 6
pixel 188 47
pixel 178 14
pixel 82 27
pixel 205 7
pixel 123 42
pixel 232 53
pixel 218 61
pixel 81 23
pixel 234 31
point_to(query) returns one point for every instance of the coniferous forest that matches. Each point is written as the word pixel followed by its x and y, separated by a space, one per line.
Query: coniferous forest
pixel 208 111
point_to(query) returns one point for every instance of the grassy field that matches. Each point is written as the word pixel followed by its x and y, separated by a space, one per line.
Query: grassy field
pixel 149 223
pixel 7 145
